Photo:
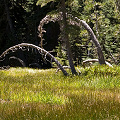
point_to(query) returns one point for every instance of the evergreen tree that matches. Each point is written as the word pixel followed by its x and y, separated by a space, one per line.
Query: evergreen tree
pixel 62 8
pixel 104 19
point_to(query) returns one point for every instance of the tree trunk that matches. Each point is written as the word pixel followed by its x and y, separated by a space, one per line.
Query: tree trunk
pixel 79 22
pixel 10 22
pixel 63 9
pixel 95 41
pixel 40 50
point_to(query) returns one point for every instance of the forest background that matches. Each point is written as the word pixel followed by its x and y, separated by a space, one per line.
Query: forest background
pixel 19 21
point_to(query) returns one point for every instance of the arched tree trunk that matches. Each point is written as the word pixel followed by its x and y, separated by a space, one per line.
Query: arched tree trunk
pixel 94 39
pixel 77 22
pixel 40 50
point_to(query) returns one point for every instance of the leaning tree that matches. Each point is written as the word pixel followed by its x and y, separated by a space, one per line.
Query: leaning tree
pixel 73 21
pixel 62 16
pixel 44 53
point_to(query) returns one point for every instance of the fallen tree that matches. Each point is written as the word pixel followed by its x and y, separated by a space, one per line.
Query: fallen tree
pixel 43 52
pixel 95 60
pixel 65 67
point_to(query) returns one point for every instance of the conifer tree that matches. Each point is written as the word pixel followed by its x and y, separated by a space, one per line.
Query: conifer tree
pixel 62 8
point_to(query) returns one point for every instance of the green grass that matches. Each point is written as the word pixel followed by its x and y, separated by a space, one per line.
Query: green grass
pixel 29 94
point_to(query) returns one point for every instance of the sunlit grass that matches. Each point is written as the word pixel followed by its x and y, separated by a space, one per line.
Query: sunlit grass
pixel 42 94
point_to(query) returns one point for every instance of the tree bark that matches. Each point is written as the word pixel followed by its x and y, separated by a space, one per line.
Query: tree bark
pixel 63 9
pixel 95 41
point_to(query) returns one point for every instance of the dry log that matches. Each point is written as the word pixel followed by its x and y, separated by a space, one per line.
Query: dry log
pixel 95 60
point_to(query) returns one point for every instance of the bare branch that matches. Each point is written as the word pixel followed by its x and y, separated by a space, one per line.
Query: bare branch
pixel 18 59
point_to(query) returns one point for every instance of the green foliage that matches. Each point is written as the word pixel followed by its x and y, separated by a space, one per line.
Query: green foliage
pixel 43 2
pixel 68 2
pixel 102 16
pixel 42 94
pixel 104 19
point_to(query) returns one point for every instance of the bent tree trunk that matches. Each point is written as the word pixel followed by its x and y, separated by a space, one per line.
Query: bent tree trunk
pixel 93 37
pixel 95 41
pixel 40 50
pixel 77 22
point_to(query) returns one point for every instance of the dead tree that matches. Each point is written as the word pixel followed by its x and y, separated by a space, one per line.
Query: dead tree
pixel 65 67
pixel 77 22
pixel 95 60
pixel 68 67
pixel 43 52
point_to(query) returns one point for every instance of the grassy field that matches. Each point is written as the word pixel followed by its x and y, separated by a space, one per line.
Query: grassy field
pixel 29 94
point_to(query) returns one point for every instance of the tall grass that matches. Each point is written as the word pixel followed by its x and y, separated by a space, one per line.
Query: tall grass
pixel 31 94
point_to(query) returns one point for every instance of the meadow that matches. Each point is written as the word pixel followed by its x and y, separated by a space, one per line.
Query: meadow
pixel 31 94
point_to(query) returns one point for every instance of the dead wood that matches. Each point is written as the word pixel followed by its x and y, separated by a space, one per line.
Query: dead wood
pixel 26 46
pixel 95 60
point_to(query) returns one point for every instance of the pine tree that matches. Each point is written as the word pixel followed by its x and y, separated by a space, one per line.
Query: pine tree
pixel 65 35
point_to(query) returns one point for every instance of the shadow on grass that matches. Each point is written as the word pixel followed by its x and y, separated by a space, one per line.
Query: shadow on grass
pixel 91 106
